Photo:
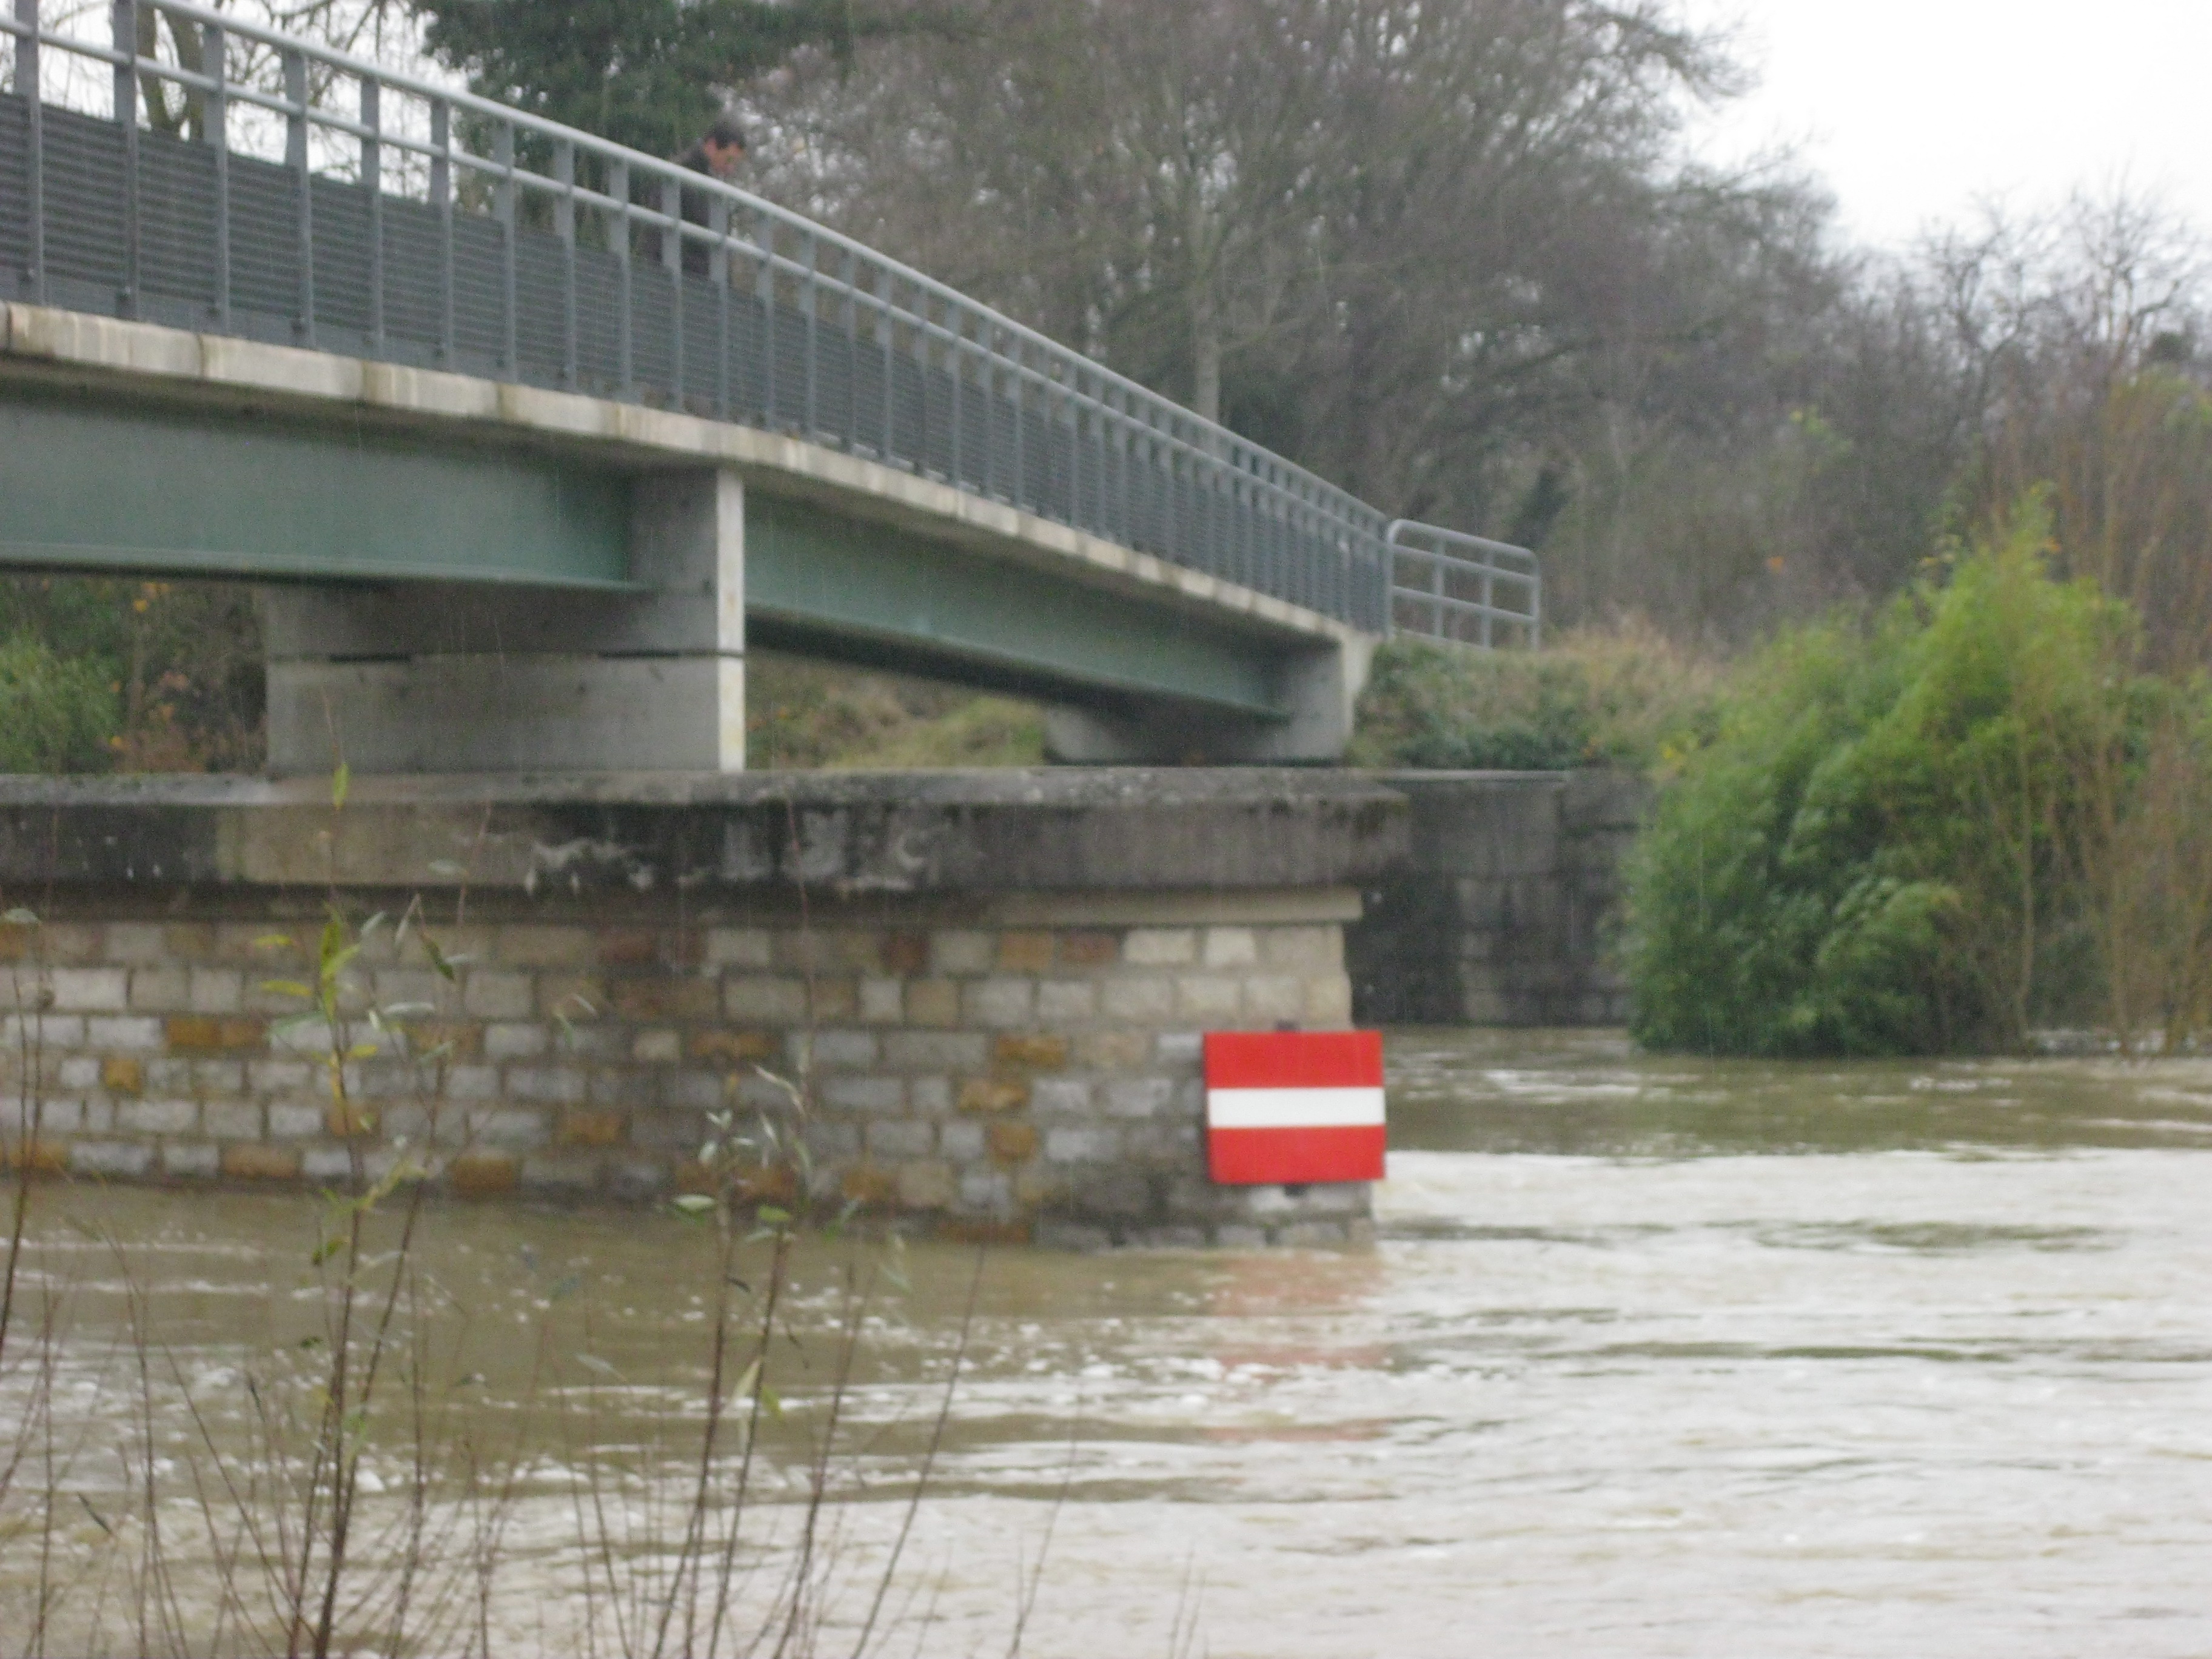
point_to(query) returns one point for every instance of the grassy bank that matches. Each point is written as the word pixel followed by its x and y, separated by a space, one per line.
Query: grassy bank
pixel 1625 695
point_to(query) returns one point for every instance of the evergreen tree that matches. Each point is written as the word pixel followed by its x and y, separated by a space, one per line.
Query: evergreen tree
pixel 650 74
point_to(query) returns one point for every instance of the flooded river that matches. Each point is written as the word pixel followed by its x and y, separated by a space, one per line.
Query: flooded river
pixel 1652 1356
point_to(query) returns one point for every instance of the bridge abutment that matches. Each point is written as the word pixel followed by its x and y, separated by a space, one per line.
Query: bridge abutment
pixel 975 999
pixel 441 677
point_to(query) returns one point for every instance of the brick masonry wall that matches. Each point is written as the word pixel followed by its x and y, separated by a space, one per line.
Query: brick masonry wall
pixel 1025 1071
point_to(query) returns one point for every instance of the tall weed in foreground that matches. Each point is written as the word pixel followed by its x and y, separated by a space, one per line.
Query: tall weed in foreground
pixel 1933 833
pixel 337 1491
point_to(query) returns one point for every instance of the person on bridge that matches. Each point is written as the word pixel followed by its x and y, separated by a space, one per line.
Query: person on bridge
pixel 719 152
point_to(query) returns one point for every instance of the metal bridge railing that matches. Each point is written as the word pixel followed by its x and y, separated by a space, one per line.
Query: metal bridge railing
pixel 1452 586
pixel 276 189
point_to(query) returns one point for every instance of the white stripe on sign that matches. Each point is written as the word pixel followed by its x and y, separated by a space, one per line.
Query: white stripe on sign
pixel 1292 1108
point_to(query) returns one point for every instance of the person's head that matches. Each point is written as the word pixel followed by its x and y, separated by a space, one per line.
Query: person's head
pixel 723 147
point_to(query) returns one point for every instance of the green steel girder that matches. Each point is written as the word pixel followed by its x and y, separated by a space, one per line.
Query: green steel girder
pixel 96 486
pixel 811 573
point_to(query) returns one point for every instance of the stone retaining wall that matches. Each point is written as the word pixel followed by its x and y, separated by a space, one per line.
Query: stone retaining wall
pixel 1500 909
pixel 1013 1061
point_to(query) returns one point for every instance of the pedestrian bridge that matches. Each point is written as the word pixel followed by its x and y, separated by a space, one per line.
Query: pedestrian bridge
pixel 529 436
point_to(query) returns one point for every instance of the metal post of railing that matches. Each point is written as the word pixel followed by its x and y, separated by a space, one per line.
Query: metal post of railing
pixel 886 337
pixel 718 271
pixel 849 319
pixel 296 161
pixel 1073 385
pixel 122 21
pixel 1489 595
pixel 987 370
pixel 672 261
pixel 955 325
pixel 618 244
pixel 372 181
pixel 811 300
pixel 215 55
pixel 564 226
pixel 1019 495
pixel 505 206
pixel 764 293
pixel 442 204
pixel 35 146
pixel 1114 451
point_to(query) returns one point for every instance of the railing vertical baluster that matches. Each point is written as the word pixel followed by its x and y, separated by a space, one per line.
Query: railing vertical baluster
pixel 1488 597
pixel 504 207
pixel 296 159
pixel 372 181
pixel 122 21
pixel 887 333
pixel 442 204
pixel 1117 439
pixel 986 371
pixel 1172 520
pixel 672 261
pixel 848 311
pixel 1021 446
pixel 618 243
pixel 921 350
pixel 718 271
pixel 34 145
pixel 811 297
pixel 764 289
pixel 564 228
pixel 215 55
pixel 1076 447
pixel 955 325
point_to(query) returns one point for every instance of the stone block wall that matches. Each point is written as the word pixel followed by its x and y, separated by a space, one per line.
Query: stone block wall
pixel 1023 1067
pixel 1500 909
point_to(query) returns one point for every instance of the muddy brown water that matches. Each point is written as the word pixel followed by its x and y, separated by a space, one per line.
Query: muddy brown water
pixel 1652 1356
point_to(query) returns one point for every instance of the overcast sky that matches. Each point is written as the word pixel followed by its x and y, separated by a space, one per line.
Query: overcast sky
pixel 1912 109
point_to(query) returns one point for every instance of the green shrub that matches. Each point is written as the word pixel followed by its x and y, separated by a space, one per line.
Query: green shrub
pixel 56 714
pixel 804 714
pixel 1884 849
pixel 1622 697
pixel 185 660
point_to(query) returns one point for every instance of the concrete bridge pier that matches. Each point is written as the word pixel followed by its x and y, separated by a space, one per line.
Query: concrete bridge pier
pixel 443 677
pixel 1317 689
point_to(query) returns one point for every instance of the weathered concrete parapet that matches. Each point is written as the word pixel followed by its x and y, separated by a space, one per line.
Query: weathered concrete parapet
pixel 1498 912
pixel 992 985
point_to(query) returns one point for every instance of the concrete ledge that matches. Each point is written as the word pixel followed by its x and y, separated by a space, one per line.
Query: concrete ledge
pixel 1125 830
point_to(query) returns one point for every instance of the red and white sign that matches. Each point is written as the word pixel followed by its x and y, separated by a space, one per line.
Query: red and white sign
pixel 1293 1106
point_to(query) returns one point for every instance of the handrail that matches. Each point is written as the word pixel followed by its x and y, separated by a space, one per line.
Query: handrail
pixel 1453 562
pixel 704 296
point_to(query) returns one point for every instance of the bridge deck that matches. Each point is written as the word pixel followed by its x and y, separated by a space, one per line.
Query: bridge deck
pixel 152 227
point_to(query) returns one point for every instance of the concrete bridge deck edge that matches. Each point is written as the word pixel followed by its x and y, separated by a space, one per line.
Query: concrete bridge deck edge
pixel 43 342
